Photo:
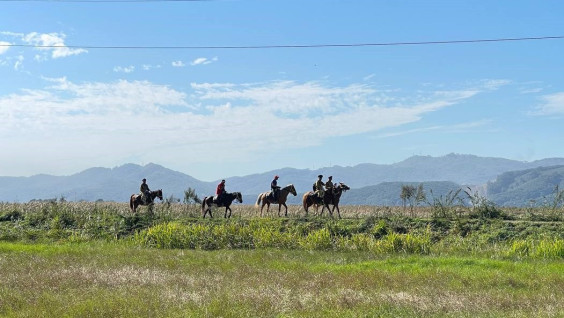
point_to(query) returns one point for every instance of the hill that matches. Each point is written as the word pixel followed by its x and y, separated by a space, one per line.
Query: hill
pixel 521 188
pixel 388 193
pixel 369 180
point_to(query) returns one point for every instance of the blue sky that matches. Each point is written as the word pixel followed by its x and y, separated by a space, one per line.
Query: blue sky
pixel 214 113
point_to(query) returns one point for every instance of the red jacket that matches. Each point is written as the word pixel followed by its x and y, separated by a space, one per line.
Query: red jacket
pixel 220 188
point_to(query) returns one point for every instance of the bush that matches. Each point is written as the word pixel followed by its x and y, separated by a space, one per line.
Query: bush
pixel 317 240
pixel 546 249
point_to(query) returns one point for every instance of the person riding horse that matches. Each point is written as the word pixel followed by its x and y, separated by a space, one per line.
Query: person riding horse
pixel 319 187
pixel 274 188
pixel 219 191
pixel 329 184
pixel 145 192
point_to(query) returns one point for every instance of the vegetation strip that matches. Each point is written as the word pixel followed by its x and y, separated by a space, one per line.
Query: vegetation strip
pixel 120 280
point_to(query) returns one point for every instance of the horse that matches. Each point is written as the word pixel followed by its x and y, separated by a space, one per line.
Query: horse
pixel 330 198
pixel 225 201
pixel 266 199
pixel 135 199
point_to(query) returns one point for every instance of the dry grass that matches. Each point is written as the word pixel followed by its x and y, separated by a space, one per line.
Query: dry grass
pixel 122 281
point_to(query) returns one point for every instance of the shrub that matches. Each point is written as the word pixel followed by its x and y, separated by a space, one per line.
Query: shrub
pixel 317 240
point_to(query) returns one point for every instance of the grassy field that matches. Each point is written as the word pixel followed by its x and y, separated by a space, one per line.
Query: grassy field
pixel 60 259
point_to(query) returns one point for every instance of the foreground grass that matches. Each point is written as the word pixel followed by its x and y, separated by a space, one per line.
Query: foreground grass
pixel 120 280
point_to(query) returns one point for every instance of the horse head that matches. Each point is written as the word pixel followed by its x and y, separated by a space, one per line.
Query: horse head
pixel 343 186
pixel 239 197
pixel 159 194
pixel 291 189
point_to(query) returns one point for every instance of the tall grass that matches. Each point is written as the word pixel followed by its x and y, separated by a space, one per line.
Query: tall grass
pixel 546 249
pixel 172 226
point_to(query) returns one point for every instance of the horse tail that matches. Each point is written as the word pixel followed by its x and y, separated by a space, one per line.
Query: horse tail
pixel 258 200
pixel 204 204
pixel 304 200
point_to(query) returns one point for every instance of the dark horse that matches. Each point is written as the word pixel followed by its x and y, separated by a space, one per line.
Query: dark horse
pixel 267 199
pixel 330 198
pixel 135 199
pixel 225 201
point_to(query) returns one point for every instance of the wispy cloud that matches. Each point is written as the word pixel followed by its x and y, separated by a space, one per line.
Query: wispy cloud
pixel 148 67
pixel 553 104
pixel 4 46
pixel 457 128
pixel 178 64
pixel 151 122
pixel 203 61
pixel 124 69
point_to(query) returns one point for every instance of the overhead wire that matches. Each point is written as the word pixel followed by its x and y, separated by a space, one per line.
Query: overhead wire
pixel 337 45
pixel 106 1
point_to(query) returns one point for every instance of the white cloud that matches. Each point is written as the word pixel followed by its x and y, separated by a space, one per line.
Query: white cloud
pixel 147 67
pixel 457 128
pixel 52 42
pixel 494 84
pixel 178 64
pixel 553 104
pixel 203 61
pixel 19 61
pixel 77 125
pixel 4 46
pixel 124 69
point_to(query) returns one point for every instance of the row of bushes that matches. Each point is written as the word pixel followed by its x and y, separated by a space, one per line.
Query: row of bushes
pixel 222 236
pixel 219 236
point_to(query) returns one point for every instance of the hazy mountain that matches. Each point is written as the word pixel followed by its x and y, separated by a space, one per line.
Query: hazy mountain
pixel 520 188
pixel 117 184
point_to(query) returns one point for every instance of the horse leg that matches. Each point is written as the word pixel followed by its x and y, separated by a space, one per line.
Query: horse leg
pixel 328 209
pixel 338 211
pixel 322 209
pixel 286 211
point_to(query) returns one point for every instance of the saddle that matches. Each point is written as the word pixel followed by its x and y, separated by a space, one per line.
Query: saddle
pixel 217 200
pixel 146 200
pixel 314 197
pixel 270 195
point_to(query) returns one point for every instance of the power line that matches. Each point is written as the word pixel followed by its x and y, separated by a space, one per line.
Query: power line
pixel 298 46
pixel 106 1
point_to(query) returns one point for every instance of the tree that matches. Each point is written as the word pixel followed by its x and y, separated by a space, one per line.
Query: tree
pixel 191 197
pixel 409 194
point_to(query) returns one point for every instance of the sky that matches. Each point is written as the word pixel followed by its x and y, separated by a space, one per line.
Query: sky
pixel 224 88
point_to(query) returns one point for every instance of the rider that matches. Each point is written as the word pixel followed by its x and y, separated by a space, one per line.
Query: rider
pixel 220 190
pixel 319 190
pixel 275 188
pixel 145 191
pixel 329 184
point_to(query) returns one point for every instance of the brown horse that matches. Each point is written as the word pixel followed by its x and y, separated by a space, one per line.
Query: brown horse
pixel 224 201
pixel 266 199
pixel 135 199
pixel 330 198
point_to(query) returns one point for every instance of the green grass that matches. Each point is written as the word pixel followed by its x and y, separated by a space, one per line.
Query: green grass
pixel 60 259
pixel 120 280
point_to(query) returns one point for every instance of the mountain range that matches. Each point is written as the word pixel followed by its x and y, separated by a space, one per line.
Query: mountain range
pixel 370 183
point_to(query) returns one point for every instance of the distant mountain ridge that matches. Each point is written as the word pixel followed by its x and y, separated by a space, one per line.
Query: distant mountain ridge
pixel 118 183
pixel 527 187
